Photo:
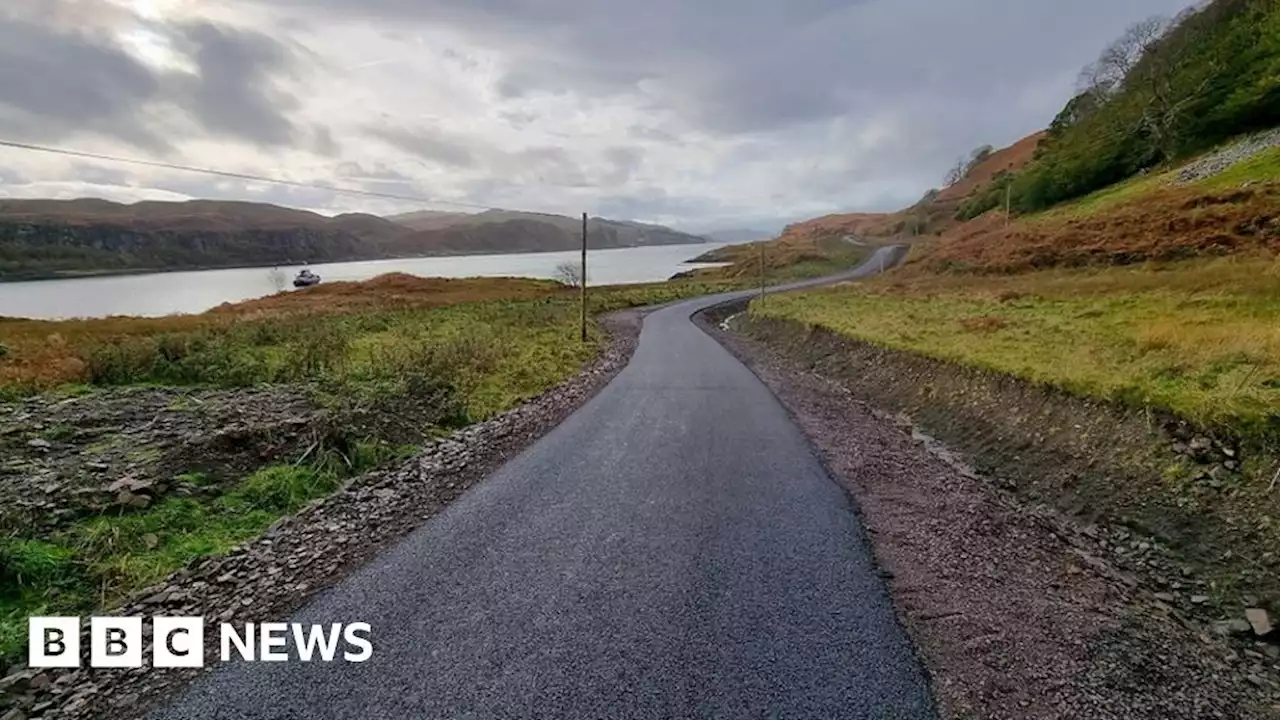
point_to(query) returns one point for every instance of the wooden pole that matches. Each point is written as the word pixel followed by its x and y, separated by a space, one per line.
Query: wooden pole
pixel 761 270
pixel 582 283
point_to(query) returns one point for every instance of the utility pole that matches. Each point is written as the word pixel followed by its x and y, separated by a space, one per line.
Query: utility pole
pixel 582 282
pixel 762 270
pixel 1008 203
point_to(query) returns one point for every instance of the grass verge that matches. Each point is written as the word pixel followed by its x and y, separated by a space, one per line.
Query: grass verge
pixel 1200 338
pixel 483 345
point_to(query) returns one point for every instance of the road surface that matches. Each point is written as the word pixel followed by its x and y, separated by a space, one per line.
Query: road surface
pixel 672 550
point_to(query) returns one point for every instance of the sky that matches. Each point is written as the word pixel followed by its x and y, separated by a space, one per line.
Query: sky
pixel 697 114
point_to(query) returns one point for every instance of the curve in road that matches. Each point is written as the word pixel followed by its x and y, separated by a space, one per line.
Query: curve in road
pixel 672 550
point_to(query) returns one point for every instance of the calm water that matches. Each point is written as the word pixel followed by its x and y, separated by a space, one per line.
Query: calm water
pixel 189 292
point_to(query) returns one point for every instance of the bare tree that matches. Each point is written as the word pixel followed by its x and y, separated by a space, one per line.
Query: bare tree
pixel 1106 77
pixel 569 273
pixel 966 165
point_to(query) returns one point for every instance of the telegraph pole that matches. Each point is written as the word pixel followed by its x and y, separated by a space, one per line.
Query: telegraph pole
pixel 762 270
pixel 582 282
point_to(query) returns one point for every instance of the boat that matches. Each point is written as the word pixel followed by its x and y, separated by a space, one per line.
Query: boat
pixel 306 278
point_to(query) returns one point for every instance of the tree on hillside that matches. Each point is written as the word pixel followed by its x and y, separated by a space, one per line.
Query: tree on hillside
pixel 1164 90
pixel 1106 77
pixel 968 164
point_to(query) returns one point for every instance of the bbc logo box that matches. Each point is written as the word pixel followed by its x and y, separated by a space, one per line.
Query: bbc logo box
pixel 179 642
pixel 115 642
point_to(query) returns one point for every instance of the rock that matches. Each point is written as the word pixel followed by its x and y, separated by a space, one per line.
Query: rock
pixel 1200 444
pixel 39 444
pixel 1259 620
pixel 14 714
pixel 1165 597
pixel 151 541
pixel 40 682
pixel 19 681
pixel 1199 599
pixel 132 484
pixel 130 500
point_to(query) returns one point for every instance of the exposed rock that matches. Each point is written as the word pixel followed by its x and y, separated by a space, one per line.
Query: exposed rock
pixel 1228 157
pixel 39 444
pixel 1259 620
pixel 1234 626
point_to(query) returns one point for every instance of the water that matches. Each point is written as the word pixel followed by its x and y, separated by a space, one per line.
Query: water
pixel 158 294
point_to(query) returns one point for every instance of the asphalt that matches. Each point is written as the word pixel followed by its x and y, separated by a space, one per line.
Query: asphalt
pixel 672 550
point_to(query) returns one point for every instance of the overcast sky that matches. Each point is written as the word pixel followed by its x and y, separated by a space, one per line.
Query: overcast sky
pixel 718 113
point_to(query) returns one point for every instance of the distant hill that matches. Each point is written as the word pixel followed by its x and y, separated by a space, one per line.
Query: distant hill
pixel 602 232
pixel 54 238
pixel 428 219
pixel 979 190
pixel 736 236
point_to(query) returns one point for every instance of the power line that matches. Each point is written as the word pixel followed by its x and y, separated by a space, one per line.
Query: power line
pixel 237 176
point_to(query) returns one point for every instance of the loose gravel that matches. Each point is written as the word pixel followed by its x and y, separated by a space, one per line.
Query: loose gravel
pixel 1230 156
pixel 1017 611
pixel 268 578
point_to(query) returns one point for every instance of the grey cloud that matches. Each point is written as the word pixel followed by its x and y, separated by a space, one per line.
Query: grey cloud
pixel 234 94
pixel 625 162
pixel 322 142
pixel 427 144
pixel 54 83
pixel 542 166
pixel 763 65
pixel 58 78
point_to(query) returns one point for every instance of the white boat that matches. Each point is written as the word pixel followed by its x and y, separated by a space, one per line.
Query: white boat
pixel 306 278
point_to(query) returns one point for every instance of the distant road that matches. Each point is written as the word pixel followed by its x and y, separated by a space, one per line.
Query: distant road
pixel 673 550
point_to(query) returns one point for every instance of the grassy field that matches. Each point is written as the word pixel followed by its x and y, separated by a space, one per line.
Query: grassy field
pixel 1201 338
pixel 785 260
pixel 491 343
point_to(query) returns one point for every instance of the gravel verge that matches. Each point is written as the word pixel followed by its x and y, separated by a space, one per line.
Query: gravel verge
pixel 268 578
pixel 1224 159
pixel 1017 610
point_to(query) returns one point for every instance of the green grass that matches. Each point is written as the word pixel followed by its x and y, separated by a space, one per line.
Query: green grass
pixel 1107 198
pixel 1264 167
pixel 100 561
pixel 486 356
pixel 1201 338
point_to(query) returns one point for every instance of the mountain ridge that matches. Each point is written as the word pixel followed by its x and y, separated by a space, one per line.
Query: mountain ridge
pixel 59 238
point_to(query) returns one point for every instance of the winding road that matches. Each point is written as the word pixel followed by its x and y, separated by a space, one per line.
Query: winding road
pixel 673 550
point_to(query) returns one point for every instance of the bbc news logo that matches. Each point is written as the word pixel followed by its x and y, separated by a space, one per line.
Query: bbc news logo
pixel 179 642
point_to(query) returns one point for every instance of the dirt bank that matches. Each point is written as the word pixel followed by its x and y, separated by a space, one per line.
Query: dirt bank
pixel 269 577
pixel 1025 593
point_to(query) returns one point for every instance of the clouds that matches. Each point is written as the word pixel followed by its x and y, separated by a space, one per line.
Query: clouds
pixel 696 114
pixel 54 83
pixel 144 83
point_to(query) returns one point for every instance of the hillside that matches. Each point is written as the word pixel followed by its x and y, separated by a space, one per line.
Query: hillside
pixel 604 233
pixel 1135 279
pixel 53 238
pixel 833 242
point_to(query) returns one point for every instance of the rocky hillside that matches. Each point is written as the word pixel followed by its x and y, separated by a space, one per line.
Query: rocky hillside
pixel 604 233
pixel 53 238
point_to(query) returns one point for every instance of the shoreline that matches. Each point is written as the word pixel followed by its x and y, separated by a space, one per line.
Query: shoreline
pixel 127 272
